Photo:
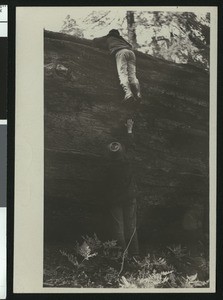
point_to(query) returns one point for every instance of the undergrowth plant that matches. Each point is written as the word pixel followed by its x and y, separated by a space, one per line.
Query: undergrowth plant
pixel 94 263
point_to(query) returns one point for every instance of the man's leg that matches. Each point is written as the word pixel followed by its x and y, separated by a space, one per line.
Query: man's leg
pixel 121 63
pixel 132 74
pixel 130 211
pixel 117 225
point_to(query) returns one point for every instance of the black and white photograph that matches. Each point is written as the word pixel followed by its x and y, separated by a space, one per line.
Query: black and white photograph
pixel 127 149
pixel 126 133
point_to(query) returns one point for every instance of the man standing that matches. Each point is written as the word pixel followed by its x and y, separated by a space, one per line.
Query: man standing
pixel 121 193
pixel 125 61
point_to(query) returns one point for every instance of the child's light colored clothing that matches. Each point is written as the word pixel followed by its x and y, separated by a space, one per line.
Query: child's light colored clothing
pixel 125 61
pixel 126 66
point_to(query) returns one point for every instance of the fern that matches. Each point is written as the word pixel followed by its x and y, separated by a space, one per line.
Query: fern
pixel 71 258
pixel 193 282
pixel 93 242
pixel 85 251
pixel 97 264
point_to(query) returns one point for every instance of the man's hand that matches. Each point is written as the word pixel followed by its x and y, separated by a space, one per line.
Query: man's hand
pixel 129 125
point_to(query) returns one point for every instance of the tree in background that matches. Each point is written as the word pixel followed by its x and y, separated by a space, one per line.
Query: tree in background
pixel 131 27
pixel 181 37
pixel 178 37
pixel 98 21
pixel 70 27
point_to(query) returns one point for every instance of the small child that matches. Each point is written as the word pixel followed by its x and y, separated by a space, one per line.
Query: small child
pixel 125 61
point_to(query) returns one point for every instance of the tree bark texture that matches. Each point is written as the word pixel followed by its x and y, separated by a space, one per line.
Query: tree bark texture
pixel 82 114
pixel 131 28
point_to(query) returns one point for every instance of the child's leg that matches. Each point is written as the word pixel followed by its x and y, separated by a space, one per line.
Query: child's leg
pixel 132 74
pixel 122 69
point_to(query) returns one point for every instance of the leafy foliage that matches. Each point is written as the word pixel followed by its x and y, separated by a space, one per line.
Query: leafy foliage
pixel 97 264
pixel 70 27
pixel 181 37
pixel 193 282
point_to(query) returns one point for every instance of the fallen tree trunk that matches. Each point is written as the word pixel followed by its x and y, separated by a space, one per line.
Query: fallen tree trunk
pixel 82 114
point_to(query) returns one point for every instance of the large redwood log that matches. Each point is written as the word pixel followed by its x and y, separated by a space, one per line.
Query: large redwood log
pixel 83 113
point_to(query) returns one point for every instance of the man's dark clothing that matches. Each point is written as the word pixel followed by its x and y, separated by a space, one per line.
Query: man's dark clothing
pixel 121 199
pixel 121 187
pixel 121 192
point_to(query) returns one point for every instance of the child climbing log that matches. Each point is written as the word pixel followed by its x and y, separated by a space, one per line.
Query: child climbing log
pixel 125 62
pixel 170 158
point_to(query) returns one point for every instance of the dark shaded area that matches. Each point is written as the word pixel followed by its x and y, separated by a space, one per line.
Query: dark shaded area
pixel 3 76
pixel 83 114
pixel 3 164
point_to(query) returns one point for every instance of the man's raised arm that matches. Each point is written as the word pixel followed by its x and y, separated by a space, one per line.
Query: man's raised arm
pixel 130 142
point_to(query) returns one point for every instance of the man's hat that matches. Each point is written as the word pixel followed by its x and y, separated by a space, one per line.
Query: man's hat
pixel 115 147
pixel 116 150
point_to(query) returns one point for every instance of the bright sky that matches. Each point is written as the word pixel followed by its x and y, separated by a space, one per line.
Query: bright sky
pixel 55 22
pixel 54 16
